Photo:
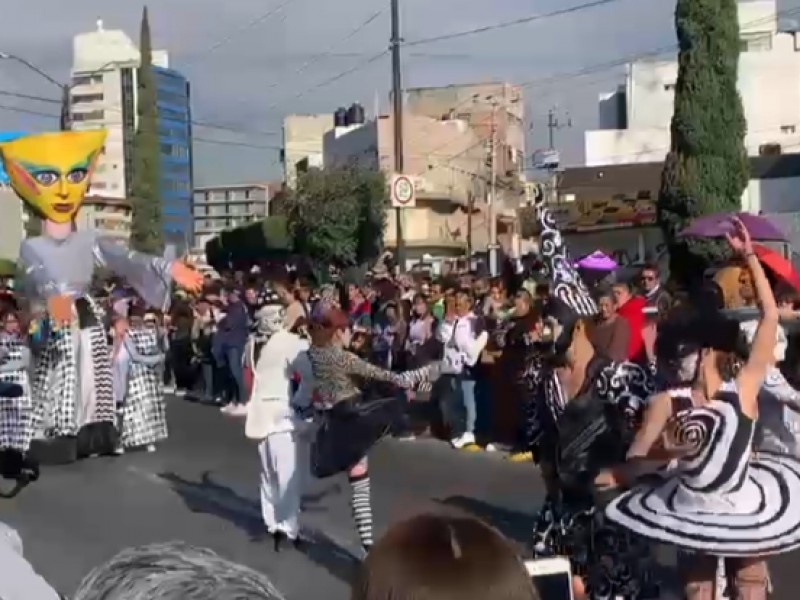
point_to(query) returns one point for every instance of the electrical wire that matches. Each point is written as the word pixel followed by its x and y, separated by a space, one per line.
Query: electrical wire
pixel 521 21
pixel 239 30
pixel 329 52
pixel 198 139
pixel 623 61
pixel 206 124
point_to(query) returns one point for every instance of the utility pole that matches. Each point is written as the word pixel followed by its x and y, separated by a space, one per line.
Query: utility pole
pixel 397 118
pixel 553 125
pixel 493 267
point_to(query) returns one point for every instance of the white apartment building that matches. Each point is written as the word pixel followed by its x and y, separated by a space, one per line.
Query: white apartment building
pixel 14 218
pixel 218 208
pixel 103 96
pixel 302 143
pixel 635 120
pixel 110 217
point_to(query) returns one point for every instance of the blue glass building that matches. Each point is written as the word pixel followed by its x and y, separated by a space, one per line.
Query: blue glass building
pixel 175 137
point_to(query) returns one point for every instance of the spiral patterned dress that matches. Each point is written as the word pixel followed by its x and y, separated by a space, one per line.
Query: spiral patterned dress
pixel 721 499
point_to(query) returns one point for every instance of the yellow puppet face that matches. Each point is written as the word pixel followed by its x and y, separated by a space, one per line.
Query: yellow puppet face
pixel 51 171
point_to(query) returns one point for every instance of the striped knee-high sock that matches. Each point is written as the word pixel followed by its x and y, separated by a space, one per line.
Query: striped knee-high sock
pixel 362 509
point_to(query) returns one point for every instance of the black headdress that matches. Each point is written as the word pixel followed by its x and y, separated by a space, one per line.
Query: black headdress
pixel 570 299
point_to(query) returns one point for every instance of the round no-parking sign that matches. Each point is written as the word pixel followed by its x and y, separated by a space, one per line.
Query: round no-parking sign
pixel 403 192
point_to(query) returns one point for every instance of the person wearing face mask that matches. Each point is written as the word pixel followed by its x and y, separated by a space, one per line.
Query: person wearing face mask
pixel 276 419
pixel 350 425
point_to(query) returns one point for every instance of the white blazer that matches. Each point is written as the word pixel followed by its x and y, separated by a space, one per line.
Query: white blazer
pixel 281 363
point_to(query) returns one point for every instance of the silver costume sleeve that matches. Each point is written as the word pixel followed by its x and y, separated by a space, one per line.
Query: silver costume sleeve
pixel 148 275
pixel 38 284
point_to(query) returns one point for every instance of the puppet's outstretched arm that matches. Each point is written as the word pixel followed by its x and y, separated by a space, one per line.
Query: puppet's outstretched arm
pixel 150 276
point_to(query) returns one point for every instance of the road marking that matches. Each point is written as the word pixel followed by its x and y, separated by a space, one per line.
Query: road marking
pixel 232 505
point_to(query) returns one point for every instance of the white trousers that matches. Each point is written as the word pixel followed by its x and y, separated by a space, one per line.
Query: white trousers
pixel 284 462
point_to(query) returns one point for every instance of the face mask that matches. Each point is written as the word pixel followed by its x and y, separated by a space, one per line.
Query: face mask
pixel 51 171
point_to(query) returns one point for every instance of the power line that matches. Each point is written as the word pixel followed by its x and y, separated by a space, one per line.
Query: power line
pixel 247 26
pixel 621 62
pixel 322 55
pixel 206 124
pixel 506 24
pixel 197 139
pixel 335 78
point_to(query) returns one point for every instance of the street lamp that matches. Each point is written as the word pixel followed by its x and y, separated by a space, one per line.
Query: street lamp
pixel 65 121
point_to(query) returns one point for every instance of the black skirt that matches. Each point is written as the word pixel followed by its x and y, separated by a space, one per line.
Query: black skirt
pixel 349 430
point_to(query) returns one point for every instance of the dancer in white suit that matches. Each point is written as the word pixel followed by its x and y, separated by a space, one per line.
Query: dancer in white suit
pixel 276 417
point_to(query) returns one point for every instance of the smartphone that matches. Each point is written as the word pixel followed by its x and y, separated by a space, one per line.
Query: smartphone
pixel 552 577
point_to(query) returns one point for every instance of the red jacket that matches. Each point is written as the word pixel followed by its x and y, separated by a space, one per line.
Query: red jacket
pixel 631 311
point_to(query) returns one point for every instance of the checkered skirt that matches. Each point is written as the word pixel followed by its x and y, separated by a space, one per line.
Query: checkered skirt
pixel 16 414
pixel 55 387
pixel 144 414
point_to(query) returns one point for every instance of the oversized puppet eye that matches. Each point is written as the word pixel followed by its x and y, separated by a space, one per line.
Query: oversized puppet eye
pixel 46 178
pixel 77 175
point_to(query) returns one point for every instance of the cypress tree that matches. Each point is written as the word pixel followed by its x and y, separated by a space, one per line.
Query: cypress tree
pixel 707 169
pixel 146 230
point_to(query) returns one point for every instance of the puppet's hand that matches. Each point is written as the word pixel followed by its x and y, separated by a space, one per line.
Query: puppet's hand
pixel 186 277
pixel 60 310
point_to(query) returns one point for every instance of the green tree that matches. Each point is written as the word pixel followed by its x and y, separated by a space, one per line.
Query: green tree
pixel 338 216
pixel 146 229
pixel 706 170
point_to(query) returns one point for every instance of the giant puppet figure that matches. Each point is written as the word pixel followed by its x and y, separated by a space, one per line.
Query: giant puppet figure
pixel 72 386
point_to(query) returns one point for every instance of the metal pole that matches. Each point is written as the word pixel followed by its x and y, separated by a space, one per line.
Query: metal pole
pixel 397 118
pixel 493 270
pixel 66 121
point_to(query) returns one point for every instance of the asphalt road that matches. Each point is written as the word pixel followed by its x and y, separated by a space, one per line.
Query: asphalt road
pixel 201 487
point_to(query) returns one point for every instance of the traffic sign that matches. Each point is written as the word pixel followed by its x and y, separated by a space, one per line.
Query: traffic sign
pixel 403 192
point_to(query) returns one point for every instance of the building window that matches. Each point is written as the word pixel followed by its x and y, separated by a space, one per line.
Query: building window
pixel 92 115
pixel 760 41
pixel 82 98
pixel 87 79
pixel 788 129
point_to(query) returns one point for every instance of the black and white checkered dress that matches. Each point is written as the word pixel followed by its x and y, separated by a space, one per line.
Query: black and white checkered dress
pixel 56 381
pixel 16 414
pixel 144 414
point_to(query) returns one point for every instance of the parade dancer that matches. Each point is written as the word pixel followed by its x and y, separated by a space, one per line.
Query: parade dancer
pixel 722 499
pixel 351 425
pixel 277 418
pixel 16 406
pixel 72 385
pixel 138 386
pixel 583 410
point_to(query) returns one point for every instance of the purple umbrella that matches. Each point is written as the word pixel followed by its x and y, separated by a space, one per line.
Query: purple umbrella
pixel 597 261
pixel 717 225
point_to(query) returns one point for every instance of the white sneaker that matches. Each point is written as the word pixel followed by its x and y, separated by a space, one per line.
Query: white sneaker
pixel 464 440
pixel 238 410
pixel 151 447
pixel 226 409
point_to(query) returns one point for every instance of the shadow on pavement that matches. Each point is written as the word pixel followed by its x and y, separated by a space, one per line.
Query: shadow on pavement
pixel 324 551
pixel 209 497
pixel 514 525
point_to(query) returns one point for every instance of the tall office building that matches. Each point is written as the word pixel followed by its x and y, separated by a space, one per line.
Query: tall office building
pixel 104 95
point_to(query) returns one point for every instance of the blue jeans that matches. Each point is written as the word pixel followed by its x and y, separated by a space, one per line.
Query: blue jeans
pixel 468 398
pixel 232 362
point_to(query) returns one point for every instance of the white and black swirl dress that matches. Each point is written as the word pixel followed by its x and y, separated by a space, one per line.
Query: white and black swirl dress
pixel 720 500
